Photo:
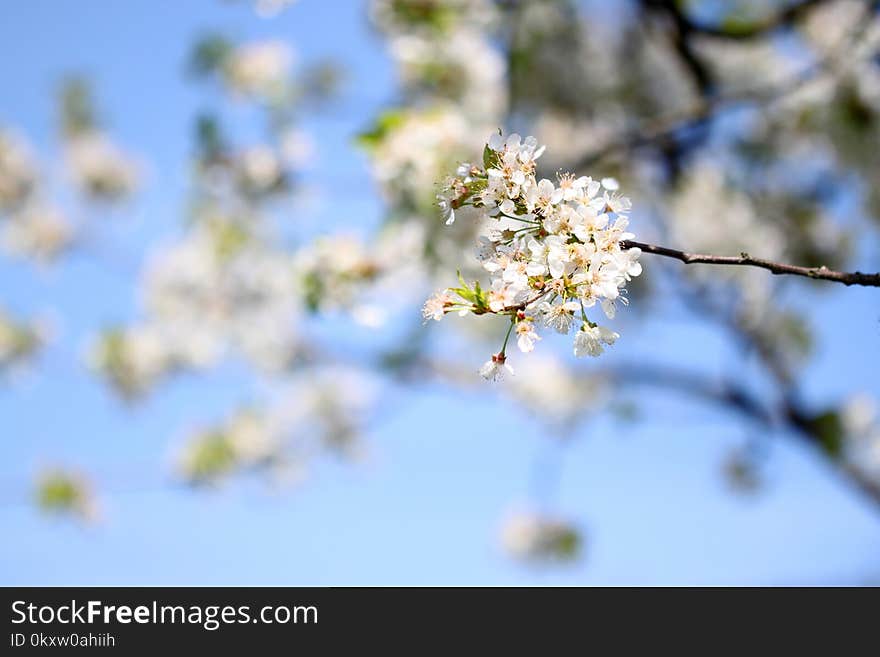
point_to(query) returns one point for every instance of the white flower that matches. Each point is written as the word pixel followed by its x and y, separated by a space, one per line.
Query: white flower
pixel 557 255
pixel 37 230
pixel 260 168
pixel 559 317
pixel 436 305
pixel 495 368
pixel 526 336
pixel 259 69
pixel 270 8
pixel 99 167
pixel 504 295
pixel 571 188
pixel 609 306
pixel 530 536
pixel 541 196
pixel 447 213
pixel 616 203
pixel 18 173
pixel 589 340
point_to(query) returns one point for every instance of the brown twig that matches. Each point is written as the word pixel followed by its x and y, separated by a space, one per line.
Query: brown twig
pixel 744 259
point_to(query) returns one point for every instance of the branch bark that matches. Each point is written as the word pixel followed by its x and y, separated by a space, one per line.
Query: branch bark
pixel 744 259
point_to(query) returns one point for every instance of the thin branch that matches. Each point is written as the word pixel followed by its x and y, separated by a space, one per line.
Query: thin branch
pixel 744 259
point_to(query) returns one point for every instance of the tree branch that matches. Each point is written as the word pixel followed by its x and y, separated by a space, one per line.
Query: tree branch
pixel 723 392
pixel 730 394
pixel 744 259
pixel 658 130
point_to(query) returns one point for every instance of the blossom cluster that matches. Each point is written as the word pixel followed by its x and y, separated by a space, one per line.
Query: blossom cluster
pixel 552 250
pixel 537 537
pixel 32 226
pixel 259 70
pixel 18 175
pixel 100 168
pixel 454 88
pixel 341 272
pixel 324 411
pixel 133 359
pixel 860 422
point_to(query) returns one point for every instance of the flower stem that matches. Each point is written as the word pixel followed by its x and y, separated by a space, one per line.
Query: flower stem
pixel 507 337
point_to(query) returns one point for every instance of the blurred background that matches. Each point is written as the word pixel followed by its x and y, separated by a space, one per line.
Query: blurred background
pixel 218 226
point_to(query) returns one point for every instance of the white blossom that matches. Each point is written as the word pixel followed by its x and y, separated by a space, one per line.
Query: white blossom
pixel 526 337
pixel 590 340
pixel 260 69
pixel 496 368
pixel 38 230
pixel 99 167
pixel 18 172
pixel 532 536
pixel 554 251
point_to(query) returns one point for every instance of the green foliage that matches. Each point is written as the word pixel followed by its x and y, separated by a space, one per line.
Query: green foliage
pixel 209 138
pixel 229 238
pixel 77 107
pixel 474 295
pixel 313 291
pixel 567 544
pixel 827 427
pixel 62 492
pixel 491 159
pixel 210 458
pixel 385 123
pixel 431 14
pixel 209 54
pixel 20 341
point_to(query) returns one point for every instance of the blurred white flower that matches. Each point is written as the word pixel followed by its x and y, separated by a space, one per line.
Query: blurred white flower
pixel 372 281
pixel 260 69
pixel 463 66
pixel 260 169
pixel 270 8
pixel 18 172
pixel 135 359
pixel 545 385
pixel 297 148
pixel 99 168
pixel 37 231
pixel 860 419
pixel 709 216
pixel 530 536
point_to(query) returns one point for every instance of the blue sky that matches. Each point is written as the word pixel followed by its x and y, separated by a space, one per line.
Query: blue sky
pixel 425 507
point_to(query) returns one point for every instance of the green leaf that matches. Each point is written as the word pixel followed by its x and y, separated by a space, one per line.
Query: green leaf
pixel 828 429
pixel 491 159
